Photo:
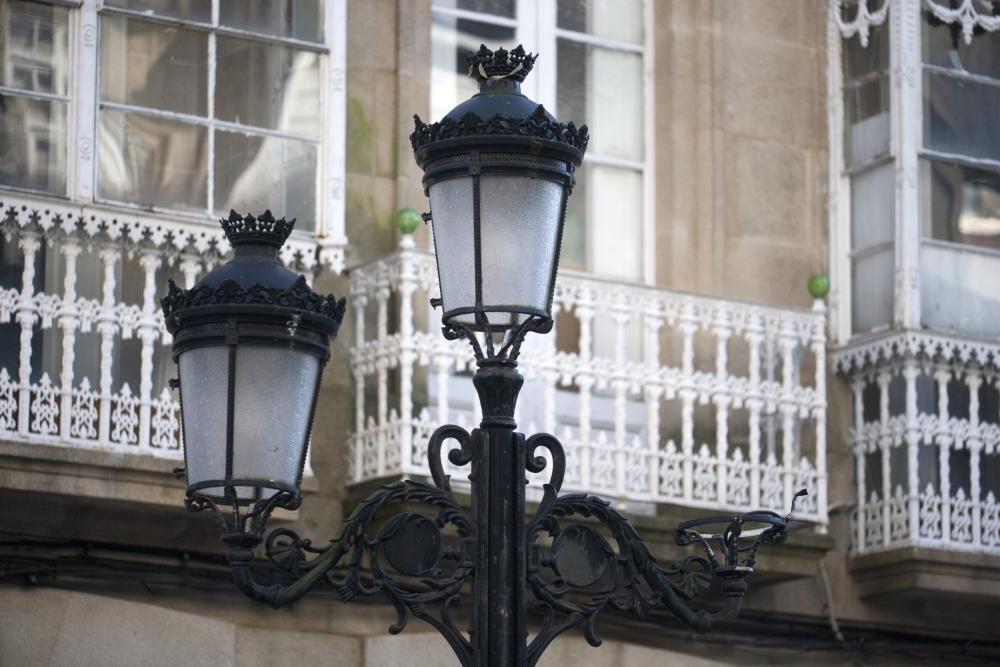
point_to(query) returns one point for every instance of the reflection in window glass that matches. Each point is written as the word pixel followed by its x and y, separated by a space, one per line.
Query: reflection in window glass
pixel 452 40
pixel 960 116
pixel 866 97
pixel 33 144
pixel 269 86
pixel 603 89
pixel 962 204
pixel 192 10
pixel 34 47
pixel 873 206
pixel 152 161
pixel 981 57
pixel 151 65
pixel 872 278
pixel 253 173
pixel 496 7
pixel 604 212
pixel 612 19
pixel 299 19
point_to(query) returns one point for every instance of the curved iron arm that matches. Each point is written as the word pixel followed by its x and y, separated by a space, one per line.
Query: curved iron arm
pixel 573 578
pixel 582 574
pixel 403 561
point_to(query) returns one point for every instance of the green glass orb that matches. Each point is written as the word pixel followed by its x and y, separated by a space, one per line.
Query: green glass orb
pixel 819 285
pixel 407 220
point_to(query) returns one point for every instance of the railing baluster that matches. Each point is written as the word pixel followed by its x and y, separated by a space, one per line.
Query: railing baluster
pixel 755 337
pixel 621 318
pixel 69 320
pixel 27 315
pixel 944 442
pixel 107 326
pixel 788 344
pixel 585 379
pixel 688 327
pixel 819 408
pixel 973 379
pixel 913 439
pixel 857 392
pixel 721 399
pixel 360 300
pixel 407 351
pixel 885 445
pixel 382 368
pixel 150 262
pixel 652 391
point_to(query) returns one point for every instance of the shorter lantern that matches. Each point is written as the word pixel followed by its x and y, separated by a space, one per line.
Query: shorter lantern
pixel 250 341
pixel 498 170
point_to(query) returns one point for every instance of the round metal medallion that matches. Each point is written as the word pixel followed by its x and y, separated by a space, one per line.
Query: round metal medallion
pixel 414 547
pixel 581 555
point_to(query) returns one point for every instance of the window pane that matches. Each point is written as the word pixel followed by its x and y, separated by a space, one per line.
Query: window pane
pixel 866 120
pixel 982 56
pixel 603 89
pixel 451 41
pixel 958 290
pixel 614 19
pixel 498 7
pixel 34 47
pixel 253 173
pixel 873 208
pixel 154 65
pixel 603 231
pixel 861 60
pixel 872 280
pixel 300 19
pixel 192 10
pixel 960 116
pixel 152 161
pixel 961 204
pixel 33 144
pixel 265 85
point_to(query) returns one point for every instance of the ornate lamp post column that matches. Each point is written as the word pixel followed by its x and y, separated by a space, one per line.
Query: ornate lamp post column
pixel 498 171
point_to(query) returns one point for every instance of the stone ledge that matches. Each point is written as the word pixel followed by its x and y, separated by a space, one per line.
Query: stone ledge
pixel 95 473
pixel 927 571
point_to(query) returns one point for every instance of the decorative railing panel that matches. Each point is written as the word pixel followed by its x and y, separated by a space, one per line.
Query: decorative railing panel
pixel 84 355
pixel 926 442
pixel 658 396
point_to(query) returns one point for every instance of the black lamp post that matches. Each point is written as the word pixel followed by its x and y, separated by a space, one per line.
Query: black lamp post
pixel 251 342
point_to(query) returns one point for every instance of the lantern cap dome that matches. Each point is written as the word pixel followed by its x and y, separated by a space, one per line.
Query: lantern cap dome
pixel 264 229
pixel 500 64
pixel 499 117
pixel 254 281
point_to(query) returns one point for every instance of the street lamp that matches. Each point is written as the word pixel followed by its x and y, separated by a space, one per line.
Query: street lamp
pixel 498 170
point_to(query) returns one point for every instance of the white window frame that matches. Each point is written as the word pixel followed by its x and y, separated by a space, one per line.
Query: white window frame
pixel 905 19
pixel 535 27
pixel 83 104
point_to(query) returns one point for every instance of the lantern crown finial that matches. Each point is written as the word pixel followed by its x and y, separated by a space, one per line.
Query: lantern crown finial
pixel 485 64
pixel 263 229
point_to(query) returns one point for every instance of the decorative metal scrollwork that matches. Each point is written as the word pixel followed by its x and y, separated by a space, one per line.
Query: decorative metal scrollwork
pixel 575 570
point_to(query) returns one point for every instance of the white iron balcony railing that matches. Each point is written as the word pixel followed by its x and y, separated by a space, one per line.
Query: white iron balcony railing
pixel 658 396
pixel 926 442
pixel 84 355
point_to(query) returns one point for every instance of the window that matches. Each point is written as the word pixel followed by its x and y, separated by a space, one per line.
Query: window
pixel 960 172
pixel 916 172
pixel 591 70
pixel 34 95
pixel 210 114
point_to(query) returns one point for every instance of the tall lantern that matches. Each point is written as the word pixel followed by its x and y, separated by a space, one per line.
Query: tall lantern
pixel 498 170
pixel 250 341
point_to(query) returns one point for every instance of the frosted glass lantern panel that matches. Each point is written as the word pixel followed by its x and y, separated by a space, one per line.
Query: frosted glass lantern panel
pixel 275 387
pixel 454 243
pixel 204 372
pixel 519 231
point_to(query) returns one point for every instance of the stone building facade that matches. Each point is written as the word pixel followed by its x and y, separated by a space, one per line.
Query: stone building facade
pixel 740 147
